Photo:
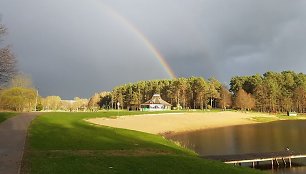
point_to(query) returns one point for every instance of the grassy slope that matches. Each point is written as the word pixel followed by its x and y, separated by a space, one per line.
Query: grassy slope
pixel 278 118
pixel 6 115
pixel 62 143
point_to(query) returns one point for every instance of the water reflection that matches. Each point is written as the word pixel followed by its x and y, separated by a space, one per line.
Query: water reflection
pixel 294 170
pixel 268 137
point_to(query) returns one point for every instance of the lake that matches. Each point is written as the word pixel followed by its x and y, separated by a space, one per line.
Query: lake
pixel 264 137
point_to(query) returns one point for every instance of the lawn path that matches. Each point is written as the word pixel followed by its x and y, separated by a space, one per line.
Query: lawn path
pixel 13 133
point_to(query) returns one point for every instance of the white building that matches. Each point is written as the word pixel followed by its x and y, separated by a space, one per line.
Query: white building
pixel 156 103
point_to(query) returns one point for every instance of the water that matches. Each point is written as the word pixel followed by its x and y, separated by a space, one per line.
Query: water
pixel 267 137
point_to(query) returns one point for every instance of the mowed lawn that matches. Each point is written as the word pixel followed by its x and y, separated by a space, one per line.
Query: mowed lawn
pixel 63 143
pixel 6 115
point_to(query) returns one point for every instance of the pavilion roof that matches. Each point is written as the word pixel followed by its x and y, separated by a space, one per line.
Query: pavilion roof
pixel 156 99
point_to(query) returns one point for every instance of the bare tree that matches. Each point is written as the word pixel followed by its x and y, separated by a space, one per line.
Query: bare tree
pixel 7 61
pixel 225 100
pixel 51 102
pixel 21 80
pixel 93 103
pixel 244 101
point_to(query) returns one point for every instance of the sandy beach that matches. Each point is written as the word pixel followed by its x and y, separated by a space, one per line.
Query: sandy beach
pixel 178 122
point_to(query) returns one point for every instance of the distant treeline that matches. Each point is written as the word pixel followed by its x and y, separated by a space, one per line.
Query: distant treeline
pixel 270 92
pixel 192 93
pixel 185 93
pixel 274 92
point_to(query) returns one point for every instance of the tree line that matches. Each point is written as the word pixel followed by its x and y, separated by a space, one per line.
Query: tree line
pixel 185 93
pixel 55 103
pixel 273 91
pixel 270 92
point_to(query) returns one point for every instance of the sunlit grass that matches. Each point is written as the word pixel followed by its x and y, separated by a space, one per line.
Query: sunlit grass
pixel 264 119
pixel 277 117
pixel 285 117
pixel 63 143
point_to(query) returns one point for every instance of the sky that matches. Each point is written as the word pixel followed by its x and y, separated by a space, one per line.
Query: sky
pixel 76 48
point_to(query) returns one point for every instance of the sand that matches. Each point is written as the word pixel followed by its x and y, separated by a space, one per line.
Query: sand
pixel 177 122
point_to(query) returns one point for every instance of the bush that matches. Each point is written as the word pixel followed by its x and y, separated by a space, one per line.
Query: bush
pixel 209 107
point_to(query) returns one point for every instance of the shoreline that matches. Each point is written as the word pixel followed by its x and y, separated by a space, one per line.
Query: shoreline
pixel 166 124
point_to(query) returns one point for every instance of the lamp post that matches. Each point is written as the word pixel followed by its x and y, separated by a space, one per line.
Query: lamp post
pixel 36 100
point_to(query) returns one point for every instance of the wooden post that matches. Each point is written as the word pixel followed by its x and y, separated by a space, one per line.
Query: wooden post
pixel 273 157
pixel 284 161
pixel 277 162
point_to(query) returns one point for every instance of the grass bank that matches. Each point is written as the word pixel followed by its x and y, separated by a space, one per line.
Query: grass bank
pixel 63 143
pixel 6 115
pixel 277 117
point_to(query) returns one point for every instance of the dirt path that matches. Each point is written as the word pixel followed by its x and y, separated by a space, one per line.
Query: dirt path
pixel 13 133
pixel 177 122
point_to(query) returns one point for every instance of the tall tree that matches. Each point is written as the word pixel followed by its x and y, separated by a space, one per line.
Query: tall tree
pixel 237 83
pixel 7 61
pixel 52 102
pixel 213 90
pixel 18 99
pixel 244 101
pixel 105 99
pixel 93 103
pixel 225 100
pixel 179 90
pixel 79 104
pixel 299 99
pixel 272 80
pixel 261 96
pixel 201 88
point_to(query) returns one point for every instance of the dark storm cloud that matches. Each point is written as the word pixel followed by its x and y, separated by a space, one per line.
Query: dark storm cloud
pixel 74 48
pixel 223 38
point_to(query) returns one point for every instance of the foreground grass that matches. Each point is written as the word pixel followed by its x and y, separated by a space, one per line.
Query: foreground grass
pixel 6 115
pixel 63 143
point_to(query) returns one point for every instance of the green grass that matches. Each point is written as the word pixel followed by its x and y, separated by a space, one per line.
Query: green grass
pixel 63 143
pixel 264 119
pixel 285 117
pixel 6 115
pixel 277 118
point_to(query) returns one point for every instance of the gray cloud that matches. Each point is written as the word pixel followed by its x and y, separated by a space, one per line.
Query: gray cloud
pixel 75 48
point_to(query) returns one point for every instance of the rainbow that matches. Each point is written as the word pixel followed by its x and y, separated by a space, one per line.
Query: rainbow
pixel 142 37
